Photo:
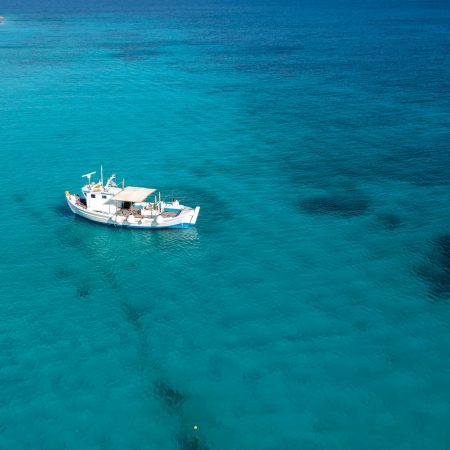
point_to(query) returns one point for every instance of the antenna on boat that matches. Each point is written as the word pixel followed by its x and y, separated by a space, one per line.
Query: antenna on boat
pixel 101 173
pixel 88 176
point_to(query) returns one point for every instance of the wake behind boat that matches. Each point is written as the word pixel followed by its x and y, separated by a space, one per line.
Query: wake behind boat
pixel 127 206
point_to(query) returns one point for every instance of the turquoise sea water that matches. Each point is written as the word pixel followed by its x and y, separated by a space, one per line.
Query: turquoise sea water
pixel 309 309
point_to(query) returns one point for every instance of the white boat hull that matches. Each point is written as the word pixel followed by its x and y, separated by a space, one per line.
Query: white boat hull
pixel 186 218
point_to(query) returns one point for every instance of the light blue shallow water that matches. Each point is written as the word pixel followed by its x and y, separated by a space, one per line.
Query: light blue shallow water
pixel 309 308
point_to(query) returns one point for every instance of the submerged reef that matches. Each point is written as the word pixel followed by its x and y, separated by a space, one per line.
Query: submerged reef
pixel 172 398
pixel 132 314
pixel 390 221
pixel 83 291
pixel 188 441
pixel 341 205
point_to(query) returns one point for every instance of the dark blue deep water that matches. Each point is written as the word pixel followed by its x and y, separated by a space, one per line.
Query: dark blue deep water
pixel 310 308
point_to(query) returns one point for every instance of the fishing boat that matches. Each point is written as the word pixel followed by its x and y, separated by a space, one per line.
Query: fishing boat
pixel 129 206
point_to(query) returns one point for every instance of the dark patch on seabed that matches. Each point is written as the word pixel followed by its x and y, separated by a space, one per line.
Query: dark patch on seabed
pixel 341 205
pixel 172 398
pixel 62 273
pixel 436 269
pixel 18 198
pixel 190 441
pixel 188 437
pixel 390 221
pixel 82 291
pixel 132 314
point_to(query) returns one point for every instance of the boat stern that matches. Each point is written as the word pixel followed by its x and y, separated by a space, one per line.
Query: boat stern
pixel 195 215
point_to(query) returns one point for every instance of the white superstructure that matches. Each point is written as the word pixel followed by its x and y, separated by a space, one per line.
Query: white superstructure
pixel 128 206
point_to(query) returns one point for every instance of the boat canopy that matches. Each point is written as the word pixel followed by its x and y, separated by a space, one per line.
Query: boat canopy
pixel 133 194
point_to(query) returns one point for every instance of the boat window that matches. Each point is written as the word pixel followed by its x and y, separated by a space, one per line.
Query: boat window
pixel 92 195
pixel 103 196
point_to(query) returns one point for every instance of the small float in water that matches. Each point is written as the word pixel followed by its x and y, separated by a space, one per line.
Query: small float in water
pixel 127 206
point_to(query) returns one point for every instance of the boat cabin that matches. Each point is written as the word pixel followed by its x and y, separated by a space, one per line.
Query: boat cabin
pixel 110 198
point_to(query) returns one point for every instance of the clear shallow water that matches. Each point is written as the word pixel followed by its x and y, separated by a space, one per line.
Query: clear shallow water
pixel 310 306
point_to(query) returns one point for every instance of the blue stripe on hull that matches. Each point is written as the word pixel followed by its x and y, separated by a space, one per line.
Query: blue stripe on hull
pixel 180 225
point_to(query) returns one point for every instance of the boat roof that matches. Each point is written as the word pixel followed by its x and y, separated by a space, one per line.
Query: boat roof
pixel 133 194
